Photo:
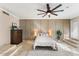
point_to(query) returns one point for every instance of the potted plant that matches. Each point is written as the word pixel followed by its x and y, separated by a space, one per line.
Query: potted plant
pixel 58 33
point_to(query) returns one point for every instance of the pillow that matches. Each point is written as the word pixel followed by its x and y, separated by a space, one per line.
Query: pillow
pixel 46 34
pixel 39 34
pixel 43 34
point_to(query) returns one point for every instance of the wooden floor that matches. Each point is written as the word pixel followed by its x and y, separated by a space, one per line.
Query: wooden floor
pixel 26 47
pixel 18 50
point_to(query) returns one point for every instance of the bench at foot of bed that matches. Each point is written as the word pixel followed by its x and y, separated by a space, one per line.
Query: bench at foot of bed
pixel 45 48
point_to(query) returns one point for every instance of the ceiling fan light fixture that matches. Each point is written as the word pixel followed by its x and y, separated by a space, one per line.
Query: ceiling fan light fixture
pixel 50 11
pixel 49 16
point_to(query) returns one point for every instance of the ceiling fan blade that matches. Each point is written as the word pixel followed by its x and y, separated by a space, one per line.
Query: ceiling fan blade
pixel 48 7
pixel 54 14
pixel 57 7
pixel 41 10
pixel 44 15
pixel 41 13
pixel 59 11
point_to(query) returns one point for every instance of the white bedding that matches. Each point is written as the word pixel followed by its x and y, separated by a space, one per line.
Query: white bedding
pixel 44 41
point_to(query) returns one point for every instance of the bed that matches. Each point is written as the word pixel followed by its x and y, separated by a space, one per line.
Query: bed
pixel 43 39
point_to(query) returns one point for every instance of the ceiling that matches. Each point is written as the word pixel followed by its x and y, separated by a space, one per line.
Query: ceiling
pixel 29 10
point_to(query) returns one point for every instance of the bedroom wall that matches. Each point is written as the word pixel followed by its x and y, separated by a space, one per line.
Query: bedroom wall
pixel 31 25
pixel 5 26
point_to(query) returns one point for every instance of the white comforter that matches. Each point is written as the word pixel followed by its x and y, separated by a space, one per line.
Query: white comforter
pixel 44 41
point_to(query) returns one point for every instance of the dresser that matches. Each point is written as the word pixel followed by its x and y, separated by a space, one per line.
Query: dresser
pixel 16 36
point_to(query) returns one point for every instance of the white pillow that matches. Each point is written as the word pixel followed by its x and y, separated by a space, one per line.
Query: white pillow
pixel 43 34
pixel 39 34
pixel 46 34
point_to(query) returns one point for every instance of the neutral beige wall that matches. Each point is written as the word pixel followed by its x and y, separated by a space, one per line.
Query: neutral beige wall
pixel 4 29
pixel 28 25
pixel 5 26
pixel 14 19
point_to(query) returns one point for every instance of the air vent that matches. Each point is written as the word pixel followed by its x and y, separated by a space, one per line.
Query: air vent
pixel 5 13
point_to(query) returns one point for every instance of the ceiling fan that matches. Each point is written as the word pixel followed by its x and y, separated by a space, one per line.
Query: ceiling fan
pixel 50 11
